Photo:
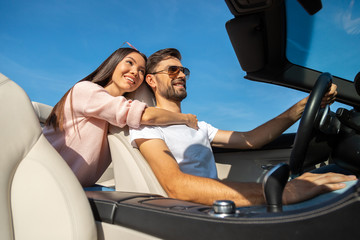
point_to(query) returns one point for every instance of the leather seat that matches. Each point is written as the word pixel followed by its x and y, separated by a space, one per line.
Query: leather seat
pixel 132 173
pixel 42 111
pixel 129 171
pixel 40 197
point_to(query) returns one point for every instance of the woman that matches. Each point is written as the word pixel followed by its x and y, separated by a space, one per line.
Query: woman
pixel 77 126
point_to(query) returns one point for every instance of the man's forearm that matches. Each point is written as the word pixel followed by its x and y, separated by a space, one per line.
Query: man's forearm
pixel 206 191
pixel 306 186
pixel 263 134
pixel 272 129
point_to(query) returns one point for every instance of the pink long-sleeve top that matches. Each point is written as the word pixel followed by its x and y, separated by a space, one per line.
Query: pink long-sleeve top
pixel 83 144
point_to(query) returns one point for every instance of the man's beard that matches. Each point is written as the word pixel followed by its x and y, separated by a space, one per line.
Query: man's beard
pixel 171 93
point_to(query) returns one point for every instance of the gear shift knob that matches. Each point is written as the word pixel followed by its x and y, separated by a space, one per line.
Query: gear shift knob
pixel 273 186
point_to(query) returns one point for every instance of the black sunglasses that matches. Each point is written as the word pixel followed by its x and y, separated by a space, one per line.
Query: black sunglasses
pixel 173 71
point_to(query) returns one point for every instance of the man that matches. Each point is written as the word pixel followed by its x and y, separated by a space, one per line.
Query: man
pixel 181 157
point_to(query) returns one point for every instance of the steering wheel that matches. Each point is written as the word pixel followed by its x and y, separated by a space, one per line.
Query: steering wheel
pixel 307 122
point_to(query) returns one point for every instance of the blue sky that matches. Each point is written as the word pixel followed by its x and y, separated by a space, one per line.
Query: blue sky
pixel 46 46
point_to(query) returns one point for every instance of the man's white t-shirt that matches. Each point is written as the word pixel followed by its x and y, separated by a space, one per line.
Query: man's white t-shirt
pixel 191 148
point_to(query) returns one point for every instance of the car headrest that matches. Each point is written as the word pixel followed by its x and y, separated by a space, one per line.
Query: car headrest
pixel 42 110
pixel 143 94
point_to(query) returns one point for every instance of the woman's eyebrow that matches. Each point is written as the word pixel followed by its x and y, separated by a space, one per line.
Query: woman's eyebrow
pixel 135 61
pixel 132 59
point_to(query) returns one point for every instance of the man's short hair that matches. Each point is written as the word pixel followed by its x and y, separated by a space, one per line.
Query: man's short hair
pixel 159 56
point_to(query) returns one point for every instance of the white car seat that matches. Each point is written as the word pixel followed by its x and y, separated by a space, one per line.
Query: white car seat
pixel 131 170
pixel 43 111
pixel 40 197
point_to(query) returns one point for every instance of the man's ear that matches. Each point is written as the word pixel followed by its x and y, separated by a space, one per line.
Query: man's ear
pixel 150 79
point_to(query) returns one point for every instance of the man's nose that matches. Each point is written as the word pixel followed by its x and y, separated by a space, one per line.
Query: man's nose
pixel 182 75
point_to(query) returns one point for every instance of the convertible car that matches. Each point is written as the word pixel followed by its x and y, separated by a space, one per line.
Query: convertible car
pixel 304 45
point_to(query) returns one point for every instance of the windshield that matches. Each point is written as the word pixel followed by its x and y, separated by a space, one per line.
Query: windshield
pixel 329 40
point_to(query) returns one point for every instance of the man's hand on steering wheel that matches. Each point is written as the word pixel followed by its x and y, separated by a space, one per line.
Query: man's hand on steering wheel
pixel 328 99
pixel 323 93
pixel 330 96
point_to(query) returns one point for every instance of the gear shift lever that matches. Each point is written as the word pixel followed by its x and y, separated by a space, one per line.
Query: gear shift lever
pixel 273 186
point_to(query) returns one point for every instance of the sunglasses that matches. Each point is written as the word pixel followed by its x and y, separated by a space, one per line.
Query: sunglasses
pixel 173 71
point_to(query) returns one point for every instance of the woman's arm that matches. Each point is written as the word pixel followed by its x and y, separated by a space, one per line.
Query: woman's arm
pixel 161 117
pixel 92 100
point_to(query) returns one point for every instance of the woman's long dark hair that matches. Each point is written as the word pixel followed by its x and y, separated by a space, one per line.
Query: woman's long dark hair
pixel 101 76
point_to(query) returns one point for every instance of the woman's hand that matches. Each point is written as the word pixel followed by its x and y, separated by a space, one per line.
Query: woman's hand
pixel 192 121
